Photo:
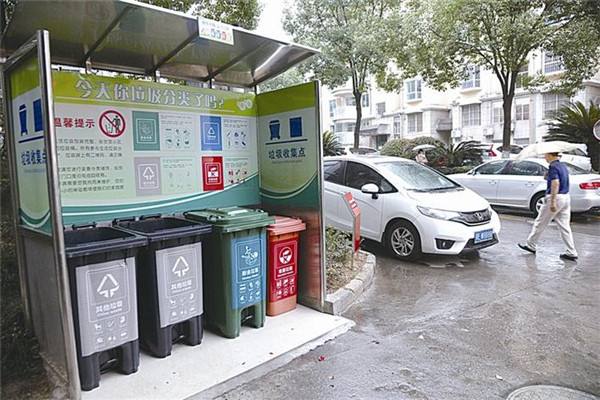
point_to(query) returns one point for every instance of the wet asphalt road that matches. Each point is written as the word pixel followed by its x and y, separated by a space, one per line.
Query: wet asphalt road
pixel 470 327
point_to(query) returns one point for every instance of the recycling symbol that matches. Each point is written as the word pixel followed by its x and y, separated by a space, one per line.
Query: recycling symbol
pixel 108 286
pixel 181 267
pixel 285 255
pixel 148 173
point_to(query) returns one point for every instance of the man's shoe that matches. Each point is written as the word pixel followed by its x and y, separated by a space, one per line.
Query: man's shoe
pixel 569 257
pixel 526 248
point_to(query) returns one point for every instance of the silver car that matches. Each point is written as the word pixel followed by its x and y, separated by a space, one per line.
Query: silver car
pixel 522 184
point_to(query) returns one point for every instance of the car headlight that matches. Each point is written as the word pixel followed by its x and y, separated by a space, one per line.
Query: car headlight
pixel 439 214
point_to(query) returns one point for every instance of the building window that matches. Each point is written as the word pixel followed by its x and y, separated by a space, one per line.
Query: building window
pixel 350 127
pixel 365 100
pixel 332 128
pixel 522 112
pixel 552 63
pixel 471 115
pixel 339 127
pixel 413 89
pixel 397 125
pixel 380 108
pixel 498 114
pixel 552 102
pixel 331 108
pixel 350 101
pixel 472 80
pixel 414 122
pixel 522 76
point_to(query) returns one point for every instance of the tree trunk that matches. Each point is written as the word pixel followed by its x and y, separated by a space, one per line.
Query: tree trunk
pixel 593 148
pixel 506 134
pixel 358 105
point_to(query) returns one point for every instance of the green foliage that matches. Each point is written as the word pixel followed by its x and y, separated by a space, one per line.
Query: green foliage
pixel 175 5
pixel 574 123
pixel 397 148
pixel 331 145
pixel 337 246
pixel 291 77
pixel 404 148
pixel 242 13
pixel 460 154
pixel 437 39
pixel 352 37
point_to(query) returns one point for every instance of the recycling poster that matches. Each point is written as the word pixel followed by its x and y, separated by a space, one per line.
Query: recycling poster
pixel 134 147
pixel 25 101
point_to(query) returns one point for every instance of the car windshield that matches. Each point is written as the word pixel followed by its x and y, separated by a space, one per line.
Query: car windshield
pixel 417 177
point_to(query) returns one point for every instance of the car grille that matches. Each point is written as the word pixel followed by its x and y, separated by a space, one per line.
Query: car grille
pixel 475 217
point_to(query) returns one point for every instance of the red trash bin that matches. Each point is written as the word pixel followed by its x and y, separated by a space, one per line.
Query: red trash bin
pixel 282 270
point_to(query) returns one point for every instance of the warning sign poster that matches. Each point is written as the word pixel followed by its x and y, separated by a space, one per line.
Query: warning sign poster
pixel 128 147
pixel 212 173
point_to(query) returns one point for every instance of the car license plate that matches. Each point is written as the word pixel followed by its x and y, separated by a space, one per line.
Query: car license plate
pixel 484 236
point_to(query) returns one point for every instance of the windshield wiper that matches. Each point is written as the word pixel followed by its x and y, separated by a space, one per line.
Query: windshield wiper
pixel 442 188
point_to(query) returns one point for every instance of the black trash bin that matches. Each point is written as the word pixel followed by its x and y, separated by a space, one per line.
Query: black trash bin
pixel 169 281
pixel 101 263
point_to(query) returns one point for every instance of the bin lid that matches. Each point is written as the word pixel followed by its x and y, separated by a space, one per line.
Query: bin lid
pixel 164 228
pixel 95 240
pixel 283 225
pixel 231 219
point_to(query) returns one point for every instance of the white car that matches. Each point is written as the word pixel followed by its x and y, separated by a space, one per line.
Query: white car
pixel 522 184
pixel 410 208
pixel 493 151
pixel 348 150
pixel 578 158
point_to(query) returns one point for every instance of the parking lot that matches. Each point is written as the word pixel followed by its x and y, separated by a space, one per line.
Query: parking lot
pixel 476 326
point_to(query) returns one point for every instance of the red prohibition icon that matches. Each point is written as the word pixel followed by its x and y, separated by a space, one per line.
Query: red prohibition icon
pixel 112 123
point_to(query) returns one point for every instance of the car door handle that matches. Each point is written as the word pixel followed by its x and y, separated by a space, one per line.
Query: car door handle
pixel 530 184
pixel 492 182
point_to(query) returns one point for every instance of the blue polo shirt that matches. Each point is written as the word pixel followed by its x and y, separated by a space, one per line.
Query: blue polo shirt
pixel 558 170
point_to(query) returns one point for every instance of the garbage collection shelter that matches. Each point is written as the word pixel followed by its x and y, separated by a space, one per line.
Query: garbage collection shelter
pixel 88 146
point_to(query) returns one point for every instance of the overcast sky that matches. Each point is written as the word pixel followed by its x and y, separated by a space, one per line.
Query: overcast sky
pixel 270 19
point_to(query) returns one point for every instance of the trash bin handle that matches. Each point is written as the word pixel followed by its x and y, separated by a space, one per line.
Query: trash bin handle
pixel 83 226
pixel 126 219
pixel 149 216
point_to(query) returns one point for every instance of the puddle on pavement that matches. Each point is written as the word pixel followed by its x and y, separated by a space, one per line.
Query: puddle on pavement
pixel 545 262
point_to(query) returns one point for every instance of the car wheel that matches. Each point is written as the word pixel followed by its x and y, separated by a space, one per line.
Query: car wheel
pixel 536 203
pixel 403 240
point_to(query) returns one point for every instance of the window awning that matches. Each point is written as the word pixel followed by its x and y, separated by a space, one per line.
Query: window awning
pixel 128 36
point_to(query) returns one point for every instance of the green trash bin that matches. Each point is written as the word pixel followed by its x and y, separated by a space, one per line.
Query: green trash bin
pixel 234 268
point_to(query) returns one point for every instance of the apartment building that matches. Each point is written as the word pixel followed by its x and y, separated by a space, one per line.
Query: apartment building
pixel 473 111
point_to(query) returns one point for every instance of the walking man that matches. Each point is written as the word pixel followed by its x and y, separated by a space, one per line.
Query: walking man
pixel 557 206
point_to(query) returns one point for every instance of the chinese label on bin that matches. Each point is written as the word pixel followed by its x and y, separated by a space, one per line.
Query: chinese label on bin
pixel 248 272
pixel 179 275
pixel 106 301
pixel 283 278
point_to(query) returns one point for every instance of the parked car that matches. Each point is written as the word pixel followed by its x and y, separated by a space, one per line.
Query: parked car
pixel 348 150
pixel 410 208
pixel 578 158
pixel 522 184
pixel 493 151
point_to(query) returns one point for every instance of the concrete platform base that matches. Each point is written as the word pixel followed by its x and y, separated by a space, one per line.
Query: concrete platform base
pixel 220 363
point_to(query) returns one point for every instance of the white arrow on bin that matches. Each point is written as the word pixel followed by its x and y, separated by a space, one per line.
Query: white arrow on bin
pixel 181 267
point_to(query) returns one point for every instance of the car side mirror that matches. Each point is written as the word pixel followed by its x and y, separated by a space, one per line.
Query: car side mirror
pixel 372 189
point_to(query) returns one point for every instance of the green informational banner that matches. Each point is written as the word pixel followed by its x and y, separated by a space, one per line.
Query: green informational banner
pixel 289 143
pixel 135 147
pixel 25 101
